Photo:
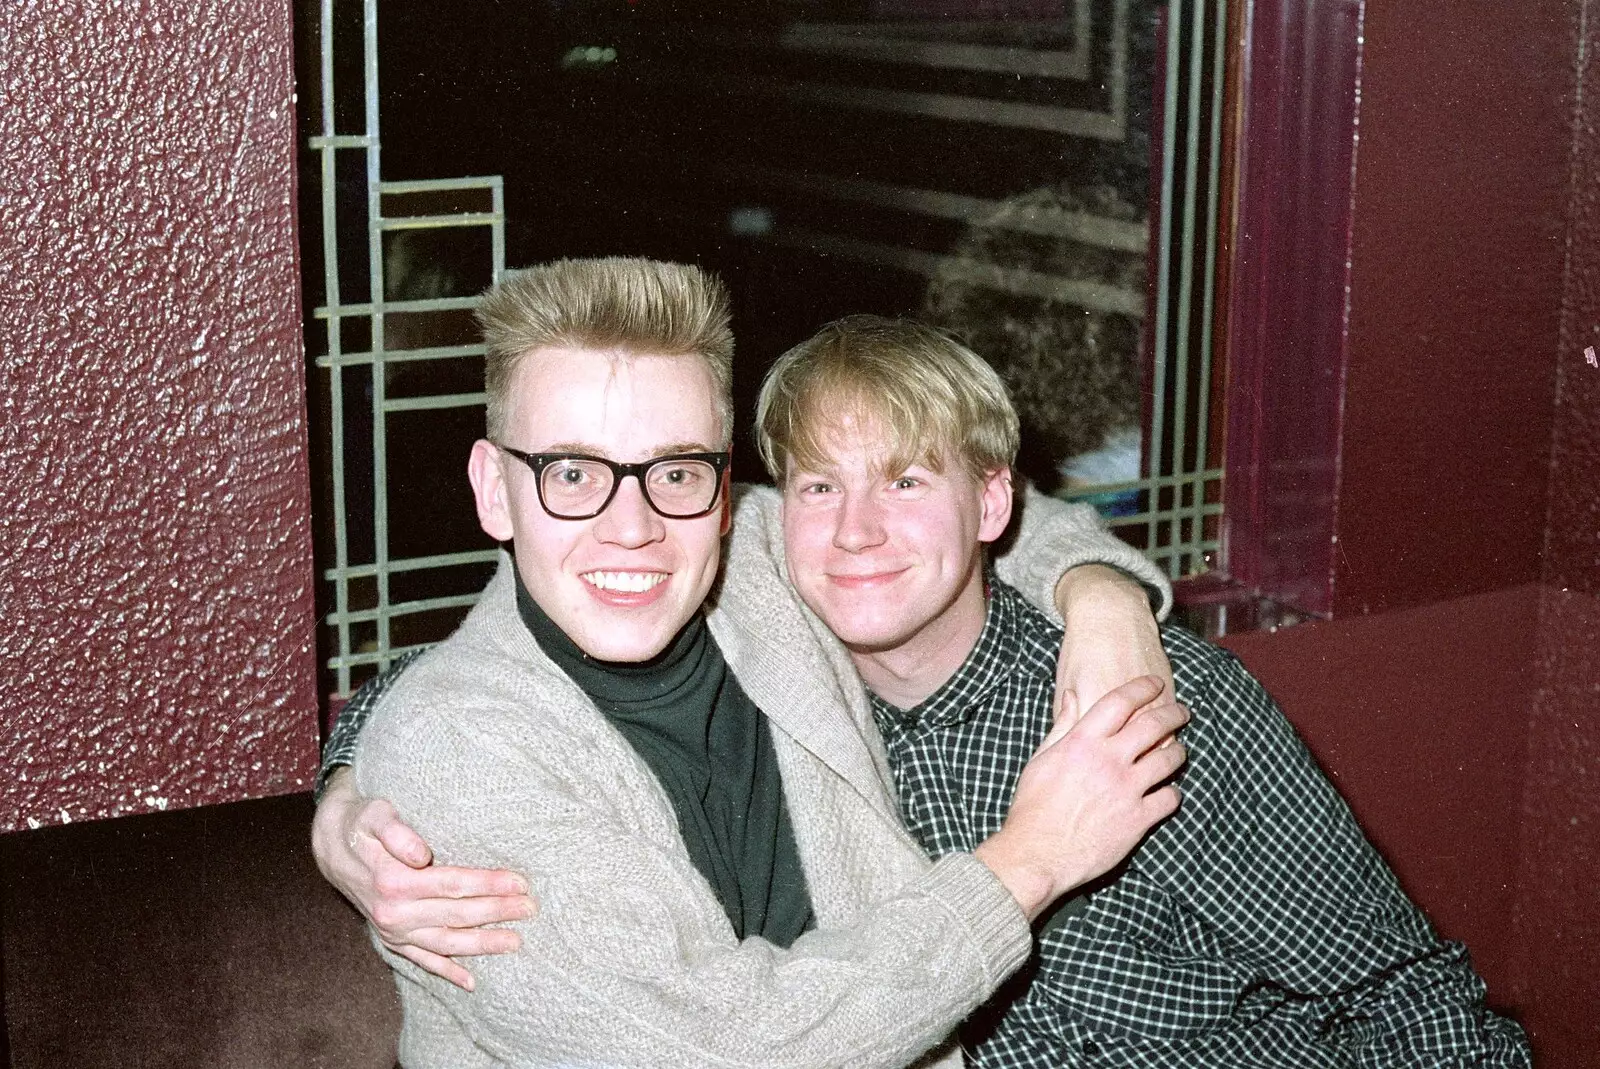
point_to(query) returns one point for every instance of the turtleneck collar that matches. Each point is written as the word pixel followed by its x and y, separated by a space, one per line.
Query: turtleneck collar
pixel 621 686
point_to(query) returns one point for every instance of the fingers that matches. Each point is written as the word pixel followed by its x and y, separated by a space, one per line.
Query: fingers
pixel 1161 804
pixel 406 901
pixel 1108 715
pixel 439 966
pixel 1153 725
pixel 469 912
pixel 449 882
pixel 1067 711
pixel 380 820
pixel 464 942
pixel 1161 763
pixel 1060 728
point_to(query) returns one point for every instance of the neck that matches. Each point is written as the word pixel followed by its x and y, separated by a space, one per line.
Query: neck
pixel 907 674
pixel 613 684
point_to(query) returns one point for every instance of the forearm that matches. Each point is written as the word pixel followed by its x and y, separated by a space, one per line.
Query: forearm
pixel 878 993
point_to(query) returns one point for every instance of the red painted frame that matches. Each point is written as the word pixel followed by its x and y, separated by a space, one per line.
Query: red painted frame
pixel 1299 67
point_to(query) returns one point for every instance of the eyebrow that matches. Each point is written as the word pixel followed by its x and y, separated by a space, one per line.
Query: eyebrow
pixel 670 449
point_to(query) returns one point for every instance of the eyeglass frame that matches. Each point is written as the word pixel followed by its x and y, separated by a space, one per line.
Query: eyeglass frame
pixel 537 462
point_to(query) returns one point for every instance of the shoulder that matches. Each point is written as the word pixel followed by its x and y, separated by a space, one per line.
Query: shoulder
pixel 450 693
pixel 1037 637
pixel 754 579
pixel 1196 663
pixel 478 754
pixel 756 500
pixel 755 540
pixel 1208 676
pixel 468 703
pixel 1236 730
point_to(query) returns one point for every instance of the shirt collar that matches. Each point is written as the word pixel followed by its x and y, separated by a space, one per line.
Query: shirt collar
pixel 989 663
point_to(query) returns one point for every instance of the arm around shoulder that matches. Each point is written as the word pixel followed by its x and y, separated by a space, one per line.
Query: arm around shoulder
pixel 1053 537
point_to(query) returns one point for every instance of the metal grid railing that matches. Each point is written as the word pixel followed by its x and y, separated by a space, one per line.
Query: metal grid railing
pixel 379 359
pixel 1178 522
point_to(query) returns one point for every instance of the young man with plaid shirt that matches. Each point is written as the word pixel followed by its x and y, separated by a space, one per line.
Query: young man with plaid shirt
pixel 1256 927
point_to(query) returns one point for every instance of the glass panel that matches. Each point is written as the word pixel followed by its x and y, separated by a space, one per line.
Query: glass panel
pixel 1040 176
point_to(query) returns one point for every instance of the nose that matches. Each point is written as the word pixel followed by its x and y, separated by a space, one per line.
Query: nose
pixel 629 521
pixel 860 523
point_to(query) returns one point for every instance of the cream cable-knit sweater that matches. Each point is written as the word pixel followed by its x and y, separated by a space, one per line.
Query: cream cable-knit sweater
pixel 498 759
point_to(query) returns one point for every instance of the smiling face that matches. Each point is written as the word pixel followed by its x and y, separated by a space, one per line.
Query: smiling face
pixel 623 583
pixel 892 560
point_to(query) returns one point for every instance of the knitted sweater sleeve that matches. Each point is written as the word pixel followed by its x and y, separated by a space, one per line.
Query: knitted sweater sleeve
pixel 1054 537
pixel 630 960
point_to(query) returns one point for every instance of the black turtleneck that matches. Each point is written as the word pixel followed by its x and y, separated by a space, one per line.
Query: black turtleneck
pixel 711 749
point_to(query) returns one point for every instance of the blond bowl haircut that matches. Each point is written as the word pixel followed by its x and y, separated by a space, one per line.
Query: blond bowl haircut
pixel 930 395
pixel 617 304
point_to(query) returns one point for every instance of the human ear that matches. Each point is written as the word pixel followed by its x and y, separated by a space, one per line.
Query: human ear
pixel 996 499
pixel 487 475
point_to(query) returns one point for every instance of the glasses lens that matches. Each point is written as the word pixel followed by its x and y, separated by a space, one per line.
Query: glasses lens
pixel 575 487
pixel 681 487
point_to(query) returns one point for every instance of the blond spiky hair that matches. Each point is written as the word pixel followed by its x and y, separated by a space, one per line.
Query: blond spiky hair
pixel 639 306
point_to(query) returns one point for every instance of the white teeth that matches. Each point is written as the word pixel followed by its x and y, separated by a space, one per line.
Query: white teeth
pixel 624 582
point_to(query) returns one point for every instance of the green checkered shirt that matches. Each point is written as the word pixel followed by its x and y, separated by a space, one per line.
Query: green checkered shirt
pixel 1255 928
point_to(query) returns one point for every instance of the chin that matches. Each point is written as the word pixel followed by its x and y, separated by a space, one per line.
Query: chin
pixel 627 645
pixel 867 639
pixel 624 652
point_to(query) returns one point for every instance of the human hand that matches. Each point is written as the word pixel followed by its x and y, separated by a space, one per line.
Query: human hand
pixel 427 913
pixel 1111 638
pixel 1088 795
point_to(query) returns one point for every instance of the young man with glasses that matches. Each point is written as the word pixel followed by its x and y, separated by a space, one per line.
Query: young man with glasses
pixel 699 797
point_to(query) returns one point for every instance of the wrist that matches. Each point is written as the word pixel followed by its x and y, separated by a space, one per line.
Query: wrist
pixel 1031 886
pixel 1100 588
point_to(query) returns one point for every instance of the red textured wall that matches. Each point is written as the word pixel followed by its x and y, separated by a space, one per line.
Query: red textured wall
pixel 1455 297
pixel 1560 875
pixel 156 631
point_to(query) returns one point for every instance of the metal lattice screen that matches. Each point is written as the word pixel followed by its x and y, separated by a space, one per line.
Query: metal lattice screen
pixel 1178 519
pixel 383 327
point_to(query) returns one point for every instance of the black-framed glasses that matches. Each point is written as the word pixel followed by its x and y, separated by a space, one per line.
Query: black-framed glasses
pixel 573 486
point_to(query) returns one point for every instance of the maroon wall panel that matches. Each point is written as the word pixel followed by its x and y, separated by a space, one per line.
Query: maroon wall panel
pixel 1290 274
pixel 1557 929
pixel 1455 296
pixel 1572 549
pixel 156 621
pixel 1556 920
pixel 1431 760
